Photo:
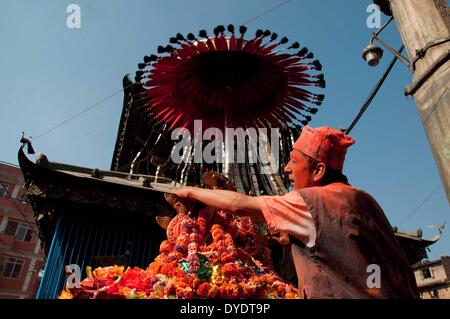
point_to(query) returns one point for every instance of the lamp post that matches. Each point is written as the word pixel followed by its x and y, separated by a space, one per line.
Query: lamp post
pixel 427 41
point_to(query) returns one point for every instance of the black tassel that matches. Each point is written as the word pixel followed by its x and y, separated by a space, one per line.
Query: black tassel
pixel 161 49
pixel 203 34
pixel 230 28
pixel 191 37
pixel 242 29
pixel 173 40
pixel 259 33
pixel 320 77
pixel 295 45
pixel 320 97
pixel 267 33
pixel 30 149
pixel 310 55
pixel 169 48
pixel 216 32
pixel 180 37
pixel 141 66
pixel 317 65
pixel 221 29
pixel 138 78
pixel 284 40
pixel 313 110
pixel 302 52
pixel 321 83
pixel 273 37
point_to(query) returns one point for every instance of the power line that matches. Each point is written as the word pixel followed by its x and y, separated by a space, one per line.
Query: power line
pixel 421 204
pixel 373 93
pixel 266 12
pixel 83 111
pixel 119 91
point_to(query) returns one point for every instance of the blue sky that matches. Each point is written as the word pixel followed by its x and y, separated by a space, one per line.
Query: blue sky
pixel 50 72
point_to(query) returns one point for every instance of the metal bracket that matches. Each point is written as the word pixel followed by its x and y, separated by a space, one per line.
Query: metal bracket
pixel 412 89
pixel 402 58
pixel 386 46
pixel 420 53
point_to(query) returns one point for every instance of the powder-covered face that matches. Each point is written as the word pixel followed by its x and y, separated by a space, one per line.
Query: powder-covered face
pixel 298 171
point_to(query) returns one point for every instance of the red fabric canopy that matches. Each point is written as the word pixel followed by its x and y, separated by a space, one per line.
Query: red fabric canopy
pixel 254 83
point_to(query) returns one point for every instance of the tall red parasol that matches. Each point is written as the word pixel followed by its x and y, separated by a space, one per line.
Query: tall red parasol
pixel 258 82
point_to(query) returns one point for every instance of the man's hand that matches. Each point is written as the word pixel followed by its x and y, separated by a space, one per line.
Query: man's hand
pixel 184 192
pixel 182 205
pixel 234 202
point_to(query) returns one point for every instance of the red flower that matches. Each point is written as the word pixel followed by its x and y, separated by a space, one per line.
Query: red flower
pixel 203 290
pixel 166 247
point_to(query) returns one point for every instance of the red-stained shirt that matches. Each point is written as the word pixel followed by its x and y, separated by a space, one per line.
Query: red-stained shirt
pixel 289 214
pixel 338 233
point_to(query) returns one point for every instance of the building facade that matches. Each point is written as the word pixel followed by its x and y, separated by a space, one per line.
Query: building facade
pixel 433 278
pixel 21 258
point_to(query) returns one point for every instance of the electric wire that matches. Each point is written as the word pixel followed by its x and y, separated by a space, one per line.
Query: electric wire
pixel 119 91
pixel 373 93
pixel 420 205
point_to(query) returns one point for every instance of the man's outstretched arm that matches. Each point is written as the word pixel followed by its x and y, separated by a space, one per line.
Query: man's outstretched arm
pixel 237 203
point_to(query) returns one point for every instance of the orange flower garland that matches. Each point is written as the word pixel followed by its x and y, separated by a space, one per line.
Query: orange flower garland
pixel 205 257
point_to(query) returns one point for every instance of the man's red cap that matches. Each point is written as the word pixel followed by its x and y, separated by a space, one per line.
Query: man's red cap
pixel 324 144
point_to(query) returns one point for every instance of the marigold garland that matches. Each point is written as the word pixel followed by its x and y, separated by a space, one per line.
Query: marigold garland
pixel 231 260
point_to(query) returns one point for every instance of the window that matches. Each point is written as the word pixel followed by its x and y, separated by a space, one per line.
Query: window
pixel 25 232
pixel 4 189
pixel 427 273
pixel 10 267
pixel 21 231
pixel 11 228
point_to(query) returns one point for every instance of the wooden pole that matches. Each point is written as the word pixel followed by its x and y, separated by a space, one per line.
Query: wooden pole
pixel 419 23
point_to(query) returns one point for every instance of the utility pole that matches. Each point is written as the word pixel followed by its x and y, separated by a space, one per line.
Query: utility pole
pixel 422 27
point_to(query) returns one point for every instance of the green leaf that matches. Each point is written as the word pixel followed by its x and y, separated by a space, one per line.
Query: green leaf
pixel 204 272
pixel 202 259
pixel 184 265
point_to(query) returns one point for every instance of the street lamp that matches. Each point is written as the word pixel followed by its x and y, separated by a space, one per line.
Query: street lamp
pixel 372 54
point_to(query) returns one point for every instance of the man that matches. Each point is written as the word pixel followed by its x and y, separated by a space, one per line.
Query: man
pixel 341 242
